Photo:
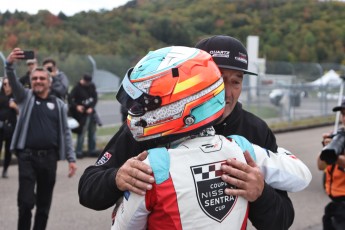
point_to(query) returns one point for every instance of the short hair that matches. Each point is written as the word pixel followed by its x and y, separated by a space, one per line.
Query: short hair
pixel 49 60
pixel 41 68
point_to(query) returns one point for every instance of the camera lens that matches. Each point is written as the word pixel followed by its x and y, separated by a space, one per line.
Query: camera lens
pixel 50 69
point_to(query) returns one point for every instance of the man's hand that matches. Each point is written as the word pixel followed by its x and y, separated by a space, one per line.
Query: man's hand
pixel 134 175
pixel 326 139
pixel 80 108
pixel 246 177
pixel 16 54
pixel 72 168
pixel 341 161
pixel 89 111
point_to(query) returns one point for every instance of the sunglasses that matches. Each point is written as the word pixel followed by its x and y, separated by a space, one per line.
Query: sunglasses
pixel 40 78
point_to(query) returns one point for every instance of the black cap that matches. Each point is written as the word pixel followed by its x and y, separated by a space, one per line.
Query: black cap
pixel 227 52
pixel 87 77
pixel 340 107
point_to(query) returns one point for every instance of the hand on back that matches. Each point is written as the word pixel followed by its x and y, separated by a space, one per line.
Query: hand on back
pixel 134 175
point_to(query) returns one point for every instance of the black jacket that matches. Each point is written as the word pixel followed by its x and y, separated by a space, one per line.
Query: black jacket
pixel 25 80
pixel 97 188
pixel 6 113
pixel 85 95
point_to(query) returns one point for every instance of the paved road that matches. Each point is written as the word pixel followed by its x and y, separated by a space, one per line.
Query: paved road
pixel 67 213
pixel 109 111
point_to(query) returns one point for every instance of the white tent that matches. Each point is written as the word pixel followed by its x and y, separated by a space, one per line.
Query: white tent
pixel 330 78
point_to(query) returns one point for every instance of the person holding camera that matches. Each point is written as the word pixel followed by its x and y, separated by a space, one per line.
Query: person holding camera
pixel 82 101
pixel 332 162
pixel 59 86
pixel 41 138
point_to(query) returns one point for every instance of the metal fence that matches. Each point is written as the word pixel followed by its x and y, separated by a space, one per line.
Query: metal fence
pixel 291 91
pixel 291 102
pixel 282 91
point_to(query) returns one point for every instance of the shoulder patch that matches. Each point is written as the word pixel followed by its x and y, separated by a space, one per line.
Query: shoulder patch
pixel 160 163
pixel 244 145
pixel 104 159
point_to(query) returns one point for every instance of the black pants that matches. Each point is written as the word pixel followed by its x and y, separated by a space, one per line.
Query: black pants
pixel 35 170
pixel 8 154
pixel 334 217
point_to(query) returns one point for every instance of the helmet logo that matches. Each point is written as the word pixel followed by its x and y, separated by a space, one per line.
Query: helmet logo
pixel 242 58
pixel 189 120
pixel 220 53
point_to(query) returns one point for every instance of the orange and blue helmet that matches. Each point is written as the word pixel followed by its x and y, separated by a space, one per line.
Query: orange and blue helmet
pixel 171 93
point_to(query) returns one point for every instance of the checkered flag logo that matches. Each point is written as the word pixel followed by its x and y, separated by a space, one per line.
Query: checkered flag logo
pixel 210 190
pixel 205 172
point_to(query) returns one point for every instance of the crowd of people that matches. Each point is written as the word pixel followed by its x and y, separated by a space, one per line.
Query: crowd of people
pixel 173 101
pixel 34 126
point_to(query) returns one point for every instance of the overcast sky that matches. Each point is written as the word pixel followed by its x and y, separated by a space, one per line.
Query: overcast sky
pixel 68 7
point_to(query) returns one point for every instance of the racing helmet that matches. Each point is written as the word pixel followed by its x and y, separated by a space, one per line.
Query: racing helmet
pixel 172 92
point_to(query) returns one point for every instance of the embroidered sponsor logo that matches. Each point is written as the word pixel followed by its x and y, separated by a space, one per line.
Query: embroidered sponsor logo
pixel 50 105
pixel 242 58
pixel 130 90
pixel 210 191
pixel 220 53
pixel 104 159
pixel 213 147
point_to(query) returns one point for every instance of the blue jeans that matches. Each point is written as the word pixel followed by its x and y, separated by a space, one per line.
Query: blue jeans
pixel 90 128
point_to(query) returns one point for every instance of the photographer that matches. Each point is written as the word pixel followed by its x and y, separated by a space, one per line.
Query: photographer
pixel 82 101
pixel 60 82
pixel 334 168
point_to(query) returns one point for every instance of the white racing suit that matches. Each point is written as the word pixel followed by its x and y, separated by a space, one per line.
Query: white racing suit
pixel 188 192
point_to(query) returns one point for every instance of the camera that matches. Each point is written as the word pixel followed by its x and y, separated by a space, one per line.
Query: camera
pixel 50 69
pixel 330 152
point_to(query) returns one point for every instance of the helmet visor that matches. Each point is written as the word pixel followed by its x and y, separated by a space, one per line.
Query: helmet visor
pixel 134 100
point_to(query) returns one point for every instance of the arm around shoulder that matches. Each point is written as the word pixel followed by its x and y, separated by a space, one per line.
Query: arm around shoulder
pixel 97 189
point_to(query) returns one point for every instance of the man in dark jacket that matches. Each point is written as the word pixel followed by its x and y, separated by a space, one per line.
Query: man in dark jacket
pixel 59 86
pixel 101 185
pixel 82 102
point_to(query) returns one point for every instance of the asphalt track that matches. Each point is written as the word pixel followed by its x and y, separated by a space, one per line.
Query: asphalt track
pixel 67 213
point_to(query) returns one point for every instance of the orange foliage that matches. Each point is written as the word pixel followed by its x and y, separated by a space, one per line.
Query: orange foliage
pixel 219 23
pixel 52 20
pixel 11 41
